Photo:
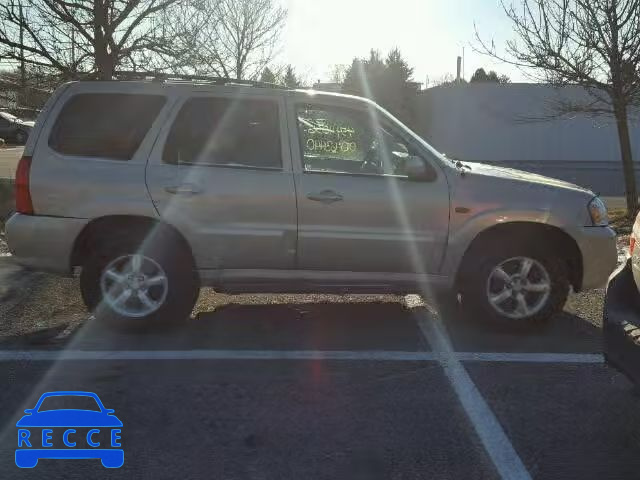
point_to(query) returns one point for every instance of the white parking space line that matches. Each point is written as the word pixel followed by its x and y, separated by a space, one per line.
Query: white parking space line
pixel 595 358
pixel 50 355
pixel 368 355
pixel 488 428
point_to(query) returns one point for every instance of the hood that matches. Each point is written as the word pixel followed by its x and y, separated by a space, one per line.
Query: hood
pixel 519 175
pixel 69 418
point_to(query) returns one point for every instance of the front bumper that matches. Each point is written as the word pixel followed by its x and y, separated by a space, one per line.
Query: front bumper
pixel 43 243
pixel 599 255
pixel 621 323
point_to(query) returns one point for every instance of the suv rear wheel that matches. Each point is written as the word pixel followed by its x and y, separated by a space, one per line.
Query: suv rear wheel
pixel 515 285
pixel 138 283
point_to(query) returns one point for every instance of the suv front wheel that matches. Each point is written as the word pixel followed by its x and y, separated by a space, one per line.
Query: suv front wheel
pixel 515 285
pixel 135 284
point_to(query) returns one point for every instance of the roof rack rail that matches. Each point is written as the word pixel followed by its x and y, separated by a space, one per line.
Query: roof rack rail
pixel 163 77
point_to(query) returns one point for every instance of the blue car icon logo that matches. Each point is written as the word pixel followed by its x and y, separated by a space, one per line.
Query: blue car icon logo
pixel 52 430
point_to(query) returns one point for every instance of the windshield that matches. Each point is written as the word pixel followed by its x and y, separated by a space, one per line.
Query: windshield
pixel 66 402
pixel 417 138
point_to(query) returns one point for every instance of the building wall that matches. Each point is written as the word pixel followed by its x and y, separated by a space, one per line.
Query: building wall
pixel 514 125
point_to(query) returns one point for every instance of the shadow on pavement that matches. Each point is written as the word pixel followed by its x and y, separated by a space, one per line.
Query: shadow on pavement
pixel 291 326
pixel 564 333
pixel 45 336
pixel 324 326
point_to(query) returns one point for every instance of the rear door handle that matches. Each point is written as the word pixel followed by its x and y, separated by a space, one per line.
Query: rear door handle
pixel 325 196
pixel 184 189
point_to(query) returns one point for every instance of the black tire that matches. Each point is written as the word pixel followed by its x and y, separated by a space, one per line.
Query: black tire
pixel 473 285
pixel 158 244
pixel 21 137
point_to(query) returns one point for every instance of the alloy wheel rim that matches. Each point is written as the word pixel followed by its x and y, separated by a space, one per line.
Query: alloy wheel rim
pixel 134 285
pixel 518 287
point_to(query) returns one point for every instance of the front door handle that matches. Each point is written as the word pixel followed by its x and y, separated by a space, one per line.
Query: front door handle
pixel 325 196
pixel 184 189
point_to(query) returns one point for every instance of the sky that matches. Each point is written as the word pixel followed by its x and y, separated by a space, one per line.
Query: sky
pixel 429 33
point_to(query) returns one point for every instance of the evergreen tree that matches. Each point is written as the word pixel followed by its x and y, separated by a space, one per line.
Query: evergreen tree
pixel 480 75
pixel 388 82
pixel 268 76
pixel 290 80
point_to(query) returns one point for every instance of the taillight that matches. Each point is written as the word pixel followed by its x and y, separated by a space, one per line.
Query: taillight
pixel 632 244
pixel 23 196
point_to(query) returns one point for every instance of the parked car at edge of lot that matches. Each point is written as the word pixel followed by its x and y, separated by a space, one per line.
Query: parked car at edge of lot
pixel 154 189
pixel 14 129
pixel 621 319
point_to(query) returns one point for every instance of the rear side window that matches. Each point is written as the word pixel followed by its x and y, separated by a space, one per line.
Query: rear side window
pixel 225 132
pixel 106 125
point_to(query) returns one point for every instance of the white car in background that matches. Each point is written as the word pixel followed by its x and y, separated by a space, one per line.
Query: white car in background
pixel 13 129
pixel 621 323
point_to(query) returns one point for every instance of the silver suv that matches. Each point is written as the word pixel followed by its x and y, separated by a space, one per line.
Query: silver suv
pixel 153 189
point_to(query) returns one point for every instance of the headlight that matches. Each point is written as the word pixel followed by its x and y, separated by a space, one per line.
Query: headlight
pixel 598 212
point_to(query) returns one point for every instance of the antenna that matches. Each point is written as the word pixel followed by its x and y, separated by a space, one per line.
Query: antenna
pixel 463 76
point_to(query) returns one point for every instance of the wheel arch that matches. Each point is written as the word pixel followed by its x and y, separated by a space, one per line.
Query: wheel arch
pixel 562 242
pixel 96 229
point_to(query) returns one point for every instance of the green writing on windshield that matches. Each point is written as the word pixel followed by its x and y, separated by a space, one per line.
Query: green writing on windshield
pixel 324 137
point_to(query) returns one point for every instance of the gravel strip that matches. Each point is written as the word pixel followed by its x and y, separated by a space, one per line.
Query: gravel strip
pixel 4 249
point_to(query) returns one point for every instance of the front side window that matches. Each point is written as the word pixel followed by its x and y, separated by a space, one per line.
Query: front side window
pixel 226 132
pixel 105 125
pixel 339 140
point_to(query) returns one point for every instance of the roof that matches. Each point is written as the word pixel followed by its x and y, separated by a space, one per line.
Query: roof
pixel 207 84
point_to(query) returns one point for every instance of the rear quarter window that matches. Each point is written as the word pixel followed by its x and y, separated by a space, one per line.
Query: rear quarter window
pixel 106 125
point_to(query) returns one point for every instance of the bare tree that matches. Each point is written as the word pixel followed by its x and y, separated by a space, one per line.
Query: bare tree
pixel 338 72
pixel 446 80
pixel 591 43
pixel 231 38
pixel 75 37
pixel 24 91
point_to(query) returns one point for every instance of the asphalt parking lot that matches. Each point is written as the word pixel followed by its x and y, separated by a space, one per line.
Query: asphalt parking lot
pixel 374 389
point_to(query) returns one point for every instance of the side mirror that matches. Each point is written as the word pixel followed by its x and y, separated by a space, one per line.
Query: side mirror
pixel 29 411
pixel 400 150
pixel 418 170
pixel 109 411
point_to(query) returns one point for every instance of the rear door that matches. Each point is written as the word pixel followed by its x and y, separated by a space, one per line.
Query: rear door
pixel 221 172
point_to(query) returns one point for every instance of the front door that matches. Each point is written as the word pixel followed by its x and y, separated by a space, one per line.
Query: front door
pixel 219 173
pixel 357 210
